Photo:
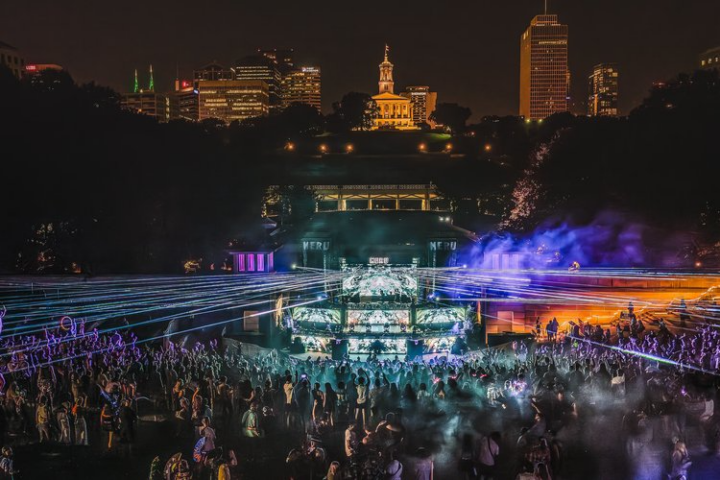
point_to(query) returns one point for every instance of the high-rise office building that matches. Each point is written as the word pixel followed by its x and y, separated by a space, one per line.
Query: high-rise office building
pixel 213 71
pixel 603 90
pixel 544 74
pixel 710 59
pixel 260 67
pixel 12 59
pixel 184 102
pixel 302 85
pixel 221 95
pixel 230 100
pixel 147 101
pixel 423 103
pixel 284 58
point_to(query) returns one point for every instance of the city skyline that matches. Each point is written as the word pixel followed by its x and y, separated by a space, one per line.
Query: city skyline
pixel 470 55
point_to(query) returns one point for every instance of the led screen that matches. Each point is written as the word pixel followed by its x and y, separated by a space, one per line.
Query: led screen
pixel 314 344
pixel 318 316
pixel 366 345
pixel 378 317
pixel 377 321
pixel 379 281
pixel 439 345
pixel 440 316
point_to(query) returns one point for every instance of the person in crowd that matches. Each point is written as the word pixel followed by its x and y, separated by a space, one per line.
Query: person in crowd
pixel 361 402
pixel 251 422
pixel 424 465
pixel 351 440
pixel 393 469
pixel 109 423
pixel 128 419
pixel 488 449
pixel 680 461
pixel 42 419
pixel 333 472
pixel 7 464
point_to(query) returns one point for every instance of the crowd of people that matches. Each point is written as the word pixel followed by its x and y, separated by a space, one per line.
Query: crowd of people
pixel 523 411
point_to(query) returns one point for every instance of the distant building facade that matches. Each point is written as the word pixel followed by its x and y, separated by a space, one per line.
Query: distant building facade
pixel 710 59
pixel 12 59
pixel 394 112
pixel 222 96
pixel 147 101
pixel 33 72
pixel 603 91
pixel 303 85
pixel 544 73
pixel 213 72
pixel 423 103
pixel 283 58
pixel 262 68
pixel 230 100
pixel 184 102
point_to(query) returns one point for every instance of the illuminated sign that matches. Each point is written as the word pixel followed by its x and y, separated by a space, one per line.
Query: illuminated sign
pixel 316 246
pixel 443 245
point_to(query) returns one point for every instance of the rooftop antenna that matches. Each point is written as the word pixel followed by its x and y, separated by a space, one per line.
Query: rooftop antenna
pixel 546 3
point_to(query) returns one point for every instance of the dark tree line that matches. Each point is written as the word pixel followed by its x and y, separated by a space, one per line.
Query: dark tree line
pixel 660 165
pixel 88 187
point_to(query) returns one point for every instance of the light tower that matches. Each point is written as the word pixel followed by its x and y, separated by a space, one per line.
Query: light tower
pixel 136 87
pixel 151 85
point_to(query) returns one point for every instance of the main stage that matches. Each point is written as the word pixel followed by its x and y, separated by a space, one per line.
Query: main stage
pixel 381 309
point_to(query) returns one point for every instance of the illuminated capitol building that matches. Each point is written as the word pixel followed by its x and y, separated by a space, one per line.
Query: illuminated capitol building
pixel 401 112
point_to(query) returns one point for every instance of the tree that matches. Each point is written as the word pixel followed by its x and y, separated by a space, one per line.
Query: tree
pixel 354 112
pixel 297 203
pixel 452 116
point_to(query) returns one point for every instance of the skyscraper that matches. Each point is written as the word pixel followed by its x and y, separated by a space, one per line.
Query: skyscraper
pixel 423 103
pixel 261 67
pixel 603 91
pixel 303 85
pixel 213 71
pixel 12 59
pixel 544 74
pixel 283 58
pixel 184 102
pixel 710 59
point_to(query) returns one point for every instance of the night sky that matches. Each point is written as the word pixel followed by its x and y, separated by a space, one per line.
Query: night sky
pixel 468 51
